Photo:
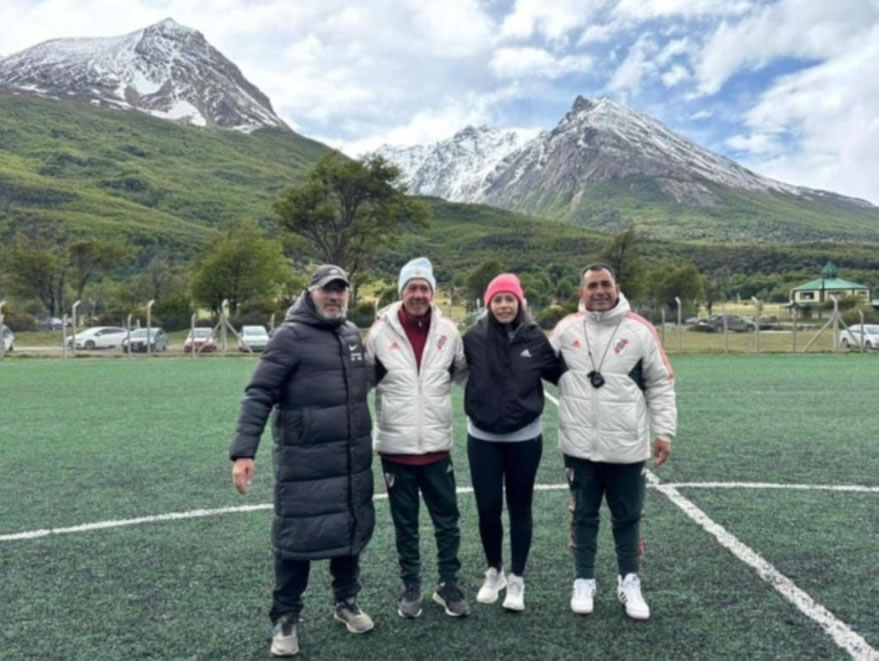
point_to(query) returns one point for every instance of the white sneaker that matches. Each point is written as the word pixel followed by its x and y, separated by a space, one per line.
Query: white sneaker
pixel 583 596
pixel 629 592
pixel 515 599
pixel 285 641
pixel 495 581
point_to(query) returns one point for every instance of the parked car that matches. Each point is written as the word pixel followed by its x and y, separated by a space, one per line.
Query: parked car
pixel 734 323
pixel 51 324
pixel 8 339
pixel 158 341
pixel 255 337
pixel 202 339
pixel 852 336
pixel 99 337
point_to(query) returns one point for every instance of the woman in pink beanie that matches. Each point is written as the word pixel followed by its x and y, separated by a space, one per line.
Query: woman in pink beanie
pixel 507 355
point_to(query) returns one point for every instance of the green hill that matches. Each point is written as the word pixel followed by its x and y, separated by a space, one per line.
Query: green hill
pixel 111 173
pixel 125 174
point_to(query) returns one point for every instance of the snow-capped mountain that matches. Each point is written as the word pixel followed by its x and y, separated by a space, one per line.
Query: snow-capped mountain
pixel 597 141
pixel 457 168
pixel 166 70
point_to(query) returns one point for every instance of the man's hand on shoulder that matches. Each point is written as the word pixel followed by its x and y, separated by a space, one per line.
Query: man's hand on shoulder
pixel 242 474
pixel 661 452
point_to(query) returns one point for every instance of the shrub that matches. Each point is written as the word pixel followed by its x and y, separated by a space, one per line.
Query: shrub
pixel 18 321
pixel 551 315
pixel 363 314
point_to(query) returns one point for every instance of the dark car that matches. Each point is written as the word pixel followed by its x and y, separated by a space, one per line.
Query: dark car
pixel 158 341
pixel 734 323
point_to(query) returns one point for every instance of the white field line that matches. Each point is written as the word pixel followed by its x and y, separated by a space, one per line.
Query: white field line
pixel 842 635
pixel 856 488
pixel 191 514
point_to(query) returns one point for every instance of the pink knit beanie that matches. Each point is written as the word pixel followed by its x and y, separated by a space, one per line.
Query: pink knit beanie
pixel 505 282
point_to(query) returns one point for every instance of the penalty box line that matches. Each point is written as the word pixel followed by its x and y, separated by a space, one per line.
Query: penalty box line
pixel 839 631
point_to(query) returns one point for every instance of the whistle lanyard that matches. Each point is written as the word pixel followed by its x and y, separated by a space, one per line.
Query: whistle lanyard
pixel 589 347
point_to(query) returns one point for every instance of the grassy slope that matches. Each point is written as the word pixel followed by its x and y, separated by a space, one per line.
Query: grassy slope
pixel 736 215
pixel 106 172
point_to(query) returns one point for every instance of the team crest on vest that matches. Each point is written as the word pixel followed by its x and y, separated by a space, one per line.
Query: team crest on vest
pixel 441 342
pixel 620 345
pixel 576 344
pixel 394 346
pixel 389 480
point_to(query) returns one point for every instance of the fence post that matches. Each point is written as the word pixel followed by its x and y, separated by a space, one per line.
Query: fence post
pixel 224 314
pixel 835 323
pixel 662 317
pixel 794 314
pixel 127 351
pixel 73 311
pixel 2 337
pixel 150 327
pixel 272 320
pixel 192 335
pixel 863 340
pixel 680 328
pixel 758 308
pixel 64 319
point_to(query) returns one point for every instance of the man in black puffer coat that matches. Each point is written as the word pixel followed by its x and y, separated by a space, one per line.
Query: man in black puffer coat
pixel 313 375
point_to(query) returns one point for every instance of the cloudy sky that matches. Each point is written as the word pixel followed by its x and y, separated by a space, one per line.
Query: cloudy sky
pixel 786 87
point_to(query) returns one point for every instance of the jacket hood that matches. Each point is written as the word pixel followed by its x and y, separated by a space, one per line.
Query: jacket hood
pixel 304 312
pixel 608 317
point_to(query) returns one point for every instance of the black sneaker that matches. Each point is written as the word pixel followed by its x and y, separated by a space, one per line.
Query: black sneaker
pixel 354 619
pixel 449 596
pixel 285 641
pixel 410 602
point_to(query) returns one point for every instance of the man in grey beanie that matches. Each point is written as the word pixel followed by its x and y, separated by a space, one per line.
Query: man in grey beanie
pixel 413 354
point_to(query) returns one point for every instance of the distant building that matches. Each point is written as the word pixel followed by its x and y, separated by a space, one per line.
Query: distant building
pixel 829 284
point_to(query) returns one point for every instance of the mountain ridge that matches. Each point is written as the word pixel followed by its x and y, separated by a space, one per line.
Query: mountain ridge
pixel 603 155
pixel 166 69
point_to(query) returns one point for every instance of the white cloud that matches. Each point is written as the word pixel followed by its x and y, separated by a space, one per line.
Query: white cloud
pixel 798 28
pixel 675 76
pixel 755 143
pixel 701 114
pixel 830 111
pixel 638 64
pixel 553 20
pixel 649 9
pixel 535 62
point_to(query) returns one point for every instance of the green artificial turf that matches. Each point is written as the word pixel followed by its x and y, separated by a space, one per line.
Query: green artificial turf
pixel 91 440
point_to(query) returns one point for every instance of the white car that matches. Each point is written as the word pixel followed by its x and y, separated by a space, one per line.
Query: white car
pixel 99 337
pixel 852 337
pixel 8 339
pixel 255 337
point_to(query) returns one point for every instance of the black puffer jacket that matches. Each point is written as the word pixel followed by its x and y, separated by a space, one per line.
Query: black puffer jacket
pixel 505 399
pixel 314 376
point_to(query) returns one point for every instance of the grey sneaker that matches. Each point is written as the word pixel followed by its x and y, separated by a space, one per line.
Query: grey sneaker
pixel 285 641
pixel 410 602
pixel 449 596
pixel 354 619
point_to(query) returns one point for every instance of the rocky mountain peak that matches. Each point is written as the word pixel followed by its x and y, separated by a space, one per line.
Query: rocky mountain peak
pixel 166 69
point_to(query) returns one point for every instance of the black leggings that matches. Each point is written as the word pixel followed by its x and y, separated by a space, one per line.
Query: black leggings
pixel 493 464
